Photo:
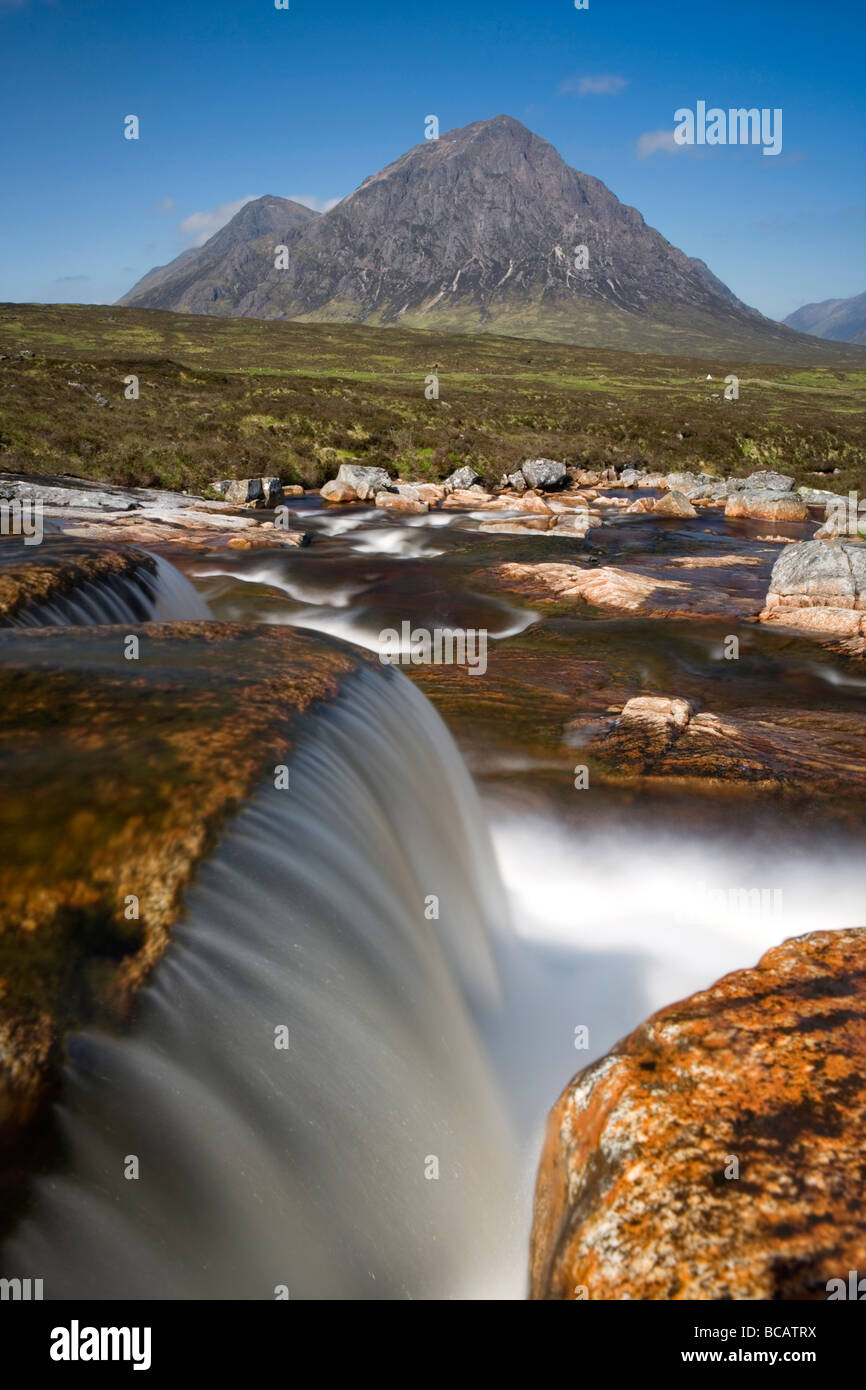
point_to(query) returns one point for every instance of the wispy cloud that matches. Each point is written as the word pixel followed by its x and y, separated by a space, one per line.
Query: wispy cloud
pixel 199 227
pixel 308 200
pixel 656 142
pixel 67 279
pixel 167 204
pixel 604 85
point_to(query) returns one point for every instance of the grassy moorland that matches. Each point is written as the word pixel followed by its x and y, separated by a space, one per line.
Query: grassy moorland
pixel 229 398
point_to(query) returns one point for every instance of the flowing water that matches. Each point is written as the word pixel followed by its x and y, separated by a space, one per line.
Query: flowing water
pixel 415 1037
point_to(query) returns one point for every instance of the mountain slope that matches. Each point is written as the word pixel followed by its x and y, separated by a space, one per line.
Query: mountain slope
pixel 841 320
pixel 475 232
pixel 209 279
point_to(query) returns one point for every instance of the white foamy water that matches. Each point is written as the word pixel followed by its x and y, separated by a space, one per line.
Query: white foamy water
pixel 141 596
pixel 306 1167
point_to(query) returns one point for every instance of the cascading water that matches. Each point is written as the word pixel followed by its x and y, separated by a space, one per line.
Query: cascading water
pixel 143 595
pixel 312 1167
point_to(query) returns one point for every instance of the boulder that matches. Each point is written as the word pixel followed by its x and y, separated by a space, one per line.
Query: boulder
pixel 768 480
pixel 640 504
pixel 242 490
pixel 631 477
pixel 654 480
pixel 717 1152
pixel 673 504
pixel 544 473
pixel 404 499
pixel 462 478
pixel 272 493
pixel 684 482
pixel 587 477
pixel 335 491
pixel 365 481
pixel 515 481
pixel 819 586
pixel 766 506
pixel 818 497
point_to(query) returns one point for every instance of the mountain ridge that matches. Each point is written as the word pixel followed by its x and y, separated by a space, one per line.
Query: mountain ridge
pixel 479 230
pixel 836 320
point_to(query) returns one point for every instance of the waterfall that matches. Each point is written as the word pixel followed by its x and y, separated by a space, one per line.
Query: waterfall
pixel 142 596
pixel 313 1166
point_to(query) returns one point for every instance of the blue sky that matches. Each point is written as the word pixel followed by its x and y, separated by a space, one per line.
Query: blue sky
pixel 237 99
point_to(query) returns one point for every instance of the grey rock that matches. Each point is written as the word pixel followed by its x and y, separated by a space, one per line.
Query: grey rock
pixel 516 482
pixel 674 504
pixel 768 480
pixel 244 490
pixel 544 473
pixel 631 477
pixel 462 478
pixel 366 481
pixel 827 574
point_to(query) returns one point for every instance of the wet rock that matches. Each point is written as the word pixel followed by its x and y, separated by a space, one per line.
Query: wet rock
pixel 517 526
pixel 135 773
pixel 366 482
pixel 468 497
pixel 768 480
pixel 544 473
pixel 575 523
pixel 760 1076
pixel 605 586
pixel 462 478
pixel 674 504
pixel 766 506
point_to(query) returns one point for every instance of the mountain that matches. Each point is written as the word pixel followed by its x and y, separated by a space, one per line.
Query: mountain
pixel 473 232
pixel 210 279
pixel 841 320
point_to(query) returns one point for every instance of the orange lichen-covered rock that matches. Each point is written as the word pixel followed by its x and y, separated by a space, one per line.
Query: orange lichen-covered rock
pixel 718 1151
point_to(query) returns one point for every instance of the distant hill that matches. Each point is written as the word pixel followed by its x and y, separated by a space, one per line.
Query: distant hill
pixel 476 231
pixel 841 320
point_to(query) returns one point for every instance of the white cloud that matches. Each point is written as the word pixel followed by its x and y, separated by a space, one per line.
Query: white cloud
pixel 606 84
pixel 308 200
pixel 167 205
pixel 652 141
pixel 199 227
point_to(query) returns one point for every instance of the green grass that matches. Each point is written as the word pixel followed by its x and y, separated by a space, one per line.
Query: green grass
pixel 233 397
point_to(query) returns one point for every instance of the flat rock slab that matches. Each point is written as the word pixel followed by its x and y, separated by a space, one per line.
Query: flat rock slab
pixel 764 1074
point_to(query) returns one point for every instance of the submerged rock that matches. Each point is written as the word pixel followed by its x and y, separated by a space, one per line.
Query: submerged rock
pixel 718 1151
